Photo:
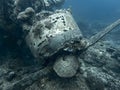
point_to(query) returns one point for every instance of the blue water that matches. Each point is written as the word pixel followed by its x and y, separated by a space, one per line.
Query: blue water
pixel 94 10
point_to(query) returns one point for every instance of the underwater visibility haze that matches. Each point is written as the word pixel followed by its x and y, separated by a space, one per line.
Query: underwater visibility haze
pixel 95 10
pixel 59 44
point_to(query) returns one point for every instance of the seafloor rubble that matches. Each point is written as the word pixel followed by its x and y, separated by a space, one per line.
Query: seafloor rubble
pixel 98 70
pixel 98 67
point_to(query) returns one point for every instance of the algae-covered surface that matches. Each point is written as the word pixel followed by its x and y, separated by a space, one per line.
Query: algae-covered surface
pixel 97 67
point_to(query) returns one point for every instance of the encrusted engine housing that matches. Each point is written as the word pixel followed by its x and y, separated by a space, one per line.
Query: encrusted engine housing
pixel 52 33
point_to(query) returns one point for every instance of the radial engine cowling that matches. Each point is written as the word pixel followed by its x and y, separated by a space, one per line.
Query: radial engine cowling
pixel 52 33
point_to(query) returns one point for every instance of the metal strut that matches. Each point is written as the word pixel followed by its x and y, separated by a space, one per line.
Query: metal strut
pixel 94 39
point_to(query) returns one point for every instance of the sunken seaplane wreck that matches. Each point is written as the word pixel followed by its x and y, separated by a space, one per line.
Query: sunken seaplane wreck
pixel 52 37
pixel 57 35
